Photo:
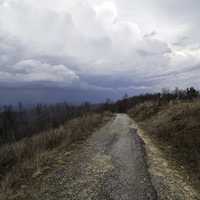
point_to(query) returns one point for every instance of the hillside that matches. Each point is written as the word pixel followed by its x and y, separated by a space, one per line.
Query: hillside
pixel 22 162
pixel 175 128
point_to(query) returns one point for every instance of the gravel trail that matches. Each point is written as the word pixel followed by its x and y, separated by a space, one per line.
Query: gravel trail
pixel 109 165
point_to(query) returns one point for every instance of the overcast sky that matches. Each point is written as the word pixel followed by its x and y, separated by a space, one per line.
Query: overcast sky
pixel 94 49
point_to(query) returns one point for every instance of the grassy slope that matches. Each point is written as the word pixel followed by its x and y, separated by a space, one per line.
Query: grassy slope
pixel 176 126
pixel 22 161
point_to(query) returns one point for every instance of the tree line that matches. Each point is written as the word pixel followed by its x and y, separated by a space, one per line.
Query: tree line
pixel 19 122
pixel 163 97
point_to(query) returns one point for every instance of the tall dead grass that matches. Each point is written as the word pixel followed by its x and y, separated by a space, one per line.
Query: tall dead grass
pixel 144 110
pixel 20 161
pixel 177 125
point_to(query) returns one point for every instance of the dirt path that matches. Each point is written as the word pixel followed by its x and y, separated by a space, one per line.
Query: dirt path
pixel 110 165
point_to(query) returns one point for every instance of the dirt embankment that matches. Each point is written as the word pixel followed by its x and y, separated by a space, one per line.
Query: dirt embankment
pixel 175 129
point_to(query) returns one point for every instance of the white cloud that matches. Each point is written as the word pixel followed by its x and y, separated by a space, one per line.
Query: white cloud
pixel 33 70
pixel 110 38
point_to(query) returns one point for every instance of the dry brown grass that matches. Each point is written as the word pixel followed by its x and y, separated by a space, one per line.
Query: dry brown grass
pixel 23 160
pixel 176 125
pixel 144 110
